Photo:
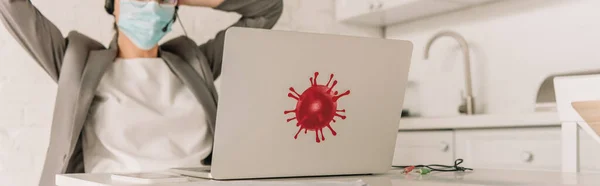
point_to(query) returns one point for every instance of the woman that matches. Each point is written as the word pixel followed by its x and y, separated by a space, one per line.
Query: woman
pixel 137 105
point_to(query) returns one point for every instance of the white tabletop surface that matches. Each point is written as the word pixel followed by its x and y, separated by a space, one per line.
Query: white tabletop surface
pixel 393 178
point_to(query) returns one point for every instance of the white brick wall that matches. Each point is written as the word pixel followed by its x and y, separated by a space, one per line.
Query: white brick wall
pixel 27 93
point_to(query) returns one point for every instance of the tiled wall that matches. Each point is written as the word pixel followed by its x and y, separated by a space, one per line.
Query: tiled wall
pixel 27 93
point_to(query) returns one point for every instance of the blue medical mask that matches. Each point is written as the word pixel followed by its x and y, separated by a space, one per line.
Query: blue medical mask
pixel 143 22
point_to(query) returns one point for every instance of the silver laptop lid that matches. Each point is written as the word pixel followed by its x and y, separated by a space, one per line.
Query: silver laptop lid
pixel 301 104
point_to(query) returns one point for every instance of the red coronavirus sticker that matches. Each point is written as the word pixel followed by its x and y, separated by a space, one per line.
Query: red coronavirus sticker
pixel 316 107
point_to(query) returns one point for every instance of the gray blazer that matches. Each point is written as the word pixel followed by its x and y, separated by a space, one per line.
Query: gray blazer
pixel 77 63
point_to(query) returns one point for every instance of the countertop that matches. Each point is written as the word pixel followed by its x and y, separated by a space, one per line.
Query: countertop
pixel 533 119
pixel 392 178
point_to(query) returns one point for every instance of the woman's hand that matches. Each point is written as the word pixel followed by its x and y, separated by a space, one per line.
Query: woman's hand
pixel 202 3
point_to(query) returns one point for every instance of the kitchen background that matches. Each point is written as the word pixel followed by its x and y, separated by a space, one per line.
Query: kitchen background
pixel 515 45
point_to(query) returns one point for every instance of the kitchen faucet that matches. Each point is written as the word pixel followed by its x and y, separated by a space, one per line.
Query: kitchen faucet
pixel 468 105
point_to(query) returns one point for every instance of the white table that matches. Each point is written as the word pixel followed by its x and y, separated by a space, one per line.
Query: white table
pixel 392 178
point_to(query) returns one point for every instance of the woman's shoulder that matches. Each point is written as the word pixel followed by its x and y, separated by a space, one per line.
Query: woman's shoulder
pixel 77 39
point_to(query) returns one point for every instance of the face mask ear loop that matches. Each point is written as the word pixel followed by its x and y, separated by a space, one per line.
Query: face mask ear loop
pixel 184 32
pixel 181 24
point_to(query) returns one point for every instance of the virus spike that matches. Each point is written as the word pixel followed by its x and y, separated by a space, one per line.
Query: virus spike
pixel 317 132
pixel 330 78
pixel 335 93
pixel 322 135
pixel 296 136
pixel 343 110
pixel 311 82
pixel 334 83
pixel 333 120
pixel 288 111
pixel 335 98
pixel 294 91
pixel 332 131
pixel 305 131
pixel 288 120
pixel 300 122
pixel 292 96
pixel 343 117
pixel 315 80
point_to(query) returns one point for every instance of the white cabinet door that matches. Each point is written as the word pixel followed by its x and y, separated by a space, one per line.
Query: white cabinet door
pixel 387 4
pixel 387 12
pixel 515 148
pixel 346 9
pixel 474 2
pixel 424 147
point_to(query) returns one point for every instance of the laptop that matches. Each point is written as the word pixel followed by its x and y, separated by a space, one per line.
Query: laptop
pixel 297 104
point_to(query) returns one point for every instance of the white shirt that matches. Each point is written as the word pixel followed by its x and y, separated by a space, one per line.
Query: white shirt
pixel 144 119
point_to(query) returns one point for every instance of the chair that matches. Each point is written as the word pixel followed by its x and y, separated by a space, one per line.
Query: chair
pixel 569 89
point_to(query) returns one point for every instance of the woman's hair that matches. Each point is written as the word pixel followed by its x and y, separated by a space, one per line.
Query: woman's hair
pixel 109 6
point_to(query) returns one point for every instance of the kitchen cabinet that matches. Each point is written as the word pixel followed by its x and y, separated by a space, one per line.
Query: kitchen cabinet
pixel 346 9
pixel 424 147
pixel 518 149
pixel 388 12
pixel 528 141
pixel 534 148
